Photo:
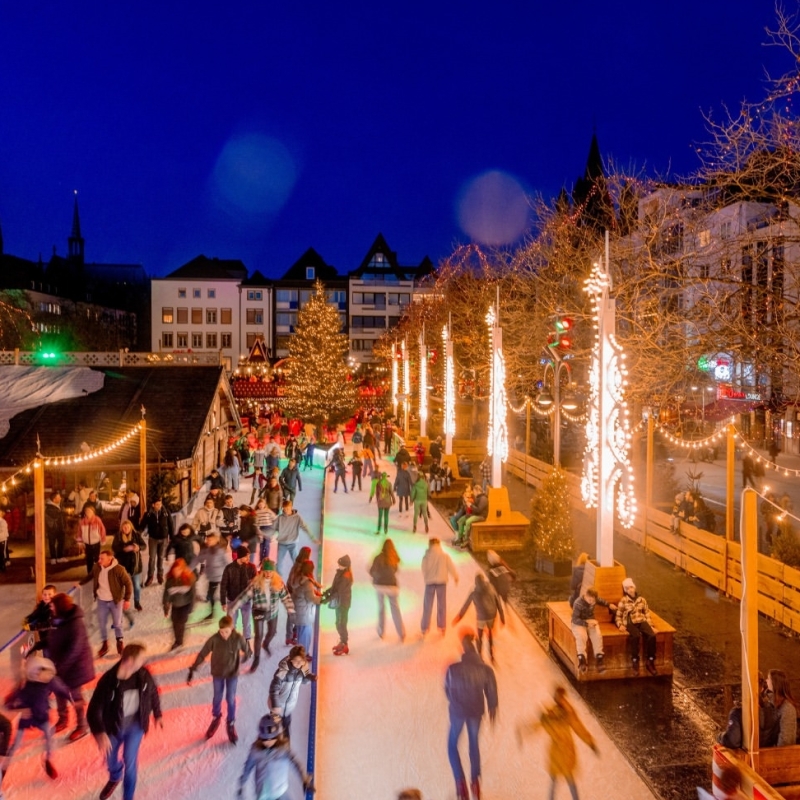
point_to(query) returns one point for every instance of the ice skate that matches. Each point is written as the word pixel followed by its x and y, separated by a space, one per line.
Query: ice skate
pixel 213 727
pixel 51 771
pixel 232 735
pixel 108 789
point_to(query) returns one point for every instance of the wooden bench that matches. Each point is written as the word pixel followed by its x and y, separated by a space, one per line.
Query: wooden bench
pixel 503 529
pixel 615 644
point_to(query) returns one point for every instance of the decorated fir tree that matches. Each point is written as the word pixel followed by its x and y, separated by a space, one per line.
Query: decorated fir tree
pixel 319 387
pixel 551 519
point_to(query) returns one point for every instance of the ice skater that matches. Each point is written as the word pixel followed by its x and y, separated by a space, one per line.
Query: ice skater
pixel 437 567
pixel 558 722
pixel 381 490
pixel 339 596
pixel 384 578
pixel 487 607
pixel 284 690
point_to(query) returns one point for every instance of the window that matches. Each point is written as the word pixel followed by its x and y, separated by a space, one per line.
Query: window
pixel 705 238
pixel 211 341
pixel 370 298
pixel 282 342
pixel 254 294
pixel 285 320
pixel 367 322
pixel 225 316
pixel 183 340
pixel 705 271
pixel 197 316
pixel 311 273
pixel 182 294
pixel 212 293
pixel 211 316
pixel 362 345
pixel 196 293
pixel 286 296
pixel 166 316
pixel 394 321
pixel 255 316
pixel 305 296
pixel 251 339
pixel 338 297
pixel 398 299
pixel 725 230
pixel 197 340
pixel 166 341
pixel 225 340
pixel 725 267
pixel 183 316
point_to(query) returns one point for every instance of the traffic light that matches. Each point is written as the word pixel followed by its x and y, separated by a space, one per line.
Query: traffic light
pixel 560 338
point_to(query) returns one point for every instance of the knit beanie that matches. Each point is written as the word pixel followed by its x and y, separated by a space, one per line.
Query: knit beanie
pixel 267 565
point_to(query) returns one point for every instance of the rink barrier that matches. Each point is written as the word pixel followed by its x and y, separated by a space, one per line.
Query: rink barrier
pixel 707 556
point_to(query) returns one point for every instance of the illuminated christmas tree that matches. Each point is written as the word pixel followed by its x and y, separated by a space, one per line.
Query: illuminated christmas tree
pixel 551 519
pixel 319 385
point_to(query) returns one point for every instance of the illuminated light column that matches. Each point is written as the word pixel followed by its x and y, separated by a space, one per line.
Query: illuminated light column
pixel 423 385
pixel 394 381
pixel 498 429
pixel 406 387
pixel 607 473
pixel 449 392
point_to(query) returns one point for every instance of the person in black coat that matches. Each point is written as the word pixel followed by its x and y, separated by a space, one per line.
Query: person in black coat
pixel 340 596
pixel 41 618
pixel 577 578
pixel 160 530
pixel 69 649
pixel 55 527
pixel 111 729
pixel 185 545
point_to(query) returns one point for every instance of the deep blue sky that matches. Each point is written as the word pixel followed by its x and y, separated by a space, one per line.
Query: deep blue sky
pixel 362 117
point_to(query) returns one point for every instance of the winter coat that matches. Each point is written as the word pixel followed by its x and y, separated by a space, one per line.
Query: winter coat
pixel 575 583
pixel 216 482
pixel 287 528
pixel 92 532
pixel 305 599
pixel 342 587
pixel 206 521
pixel 159 524
pixel 628 610
pixel 265 601
pixel 271 768
pixel 582 611
pixel 235 578
pixel 402 483
pixel 382 492
pixel 228 520
pixel 214 560
pixel 36 698
pixel 69 649
pixel 787 724
pixel 285 686
pixel 225 654
pixel 131 560
pixel 53 519
pixel 437 565
pixel 248 531
pixel 467 683
pixel 487 605
pixel 500 576
pixel 402 457
pixel 290 480
pixel 185 547
pixel 274 496
pixel 480 508
pixel 419 492
pixel 179 593
pixel 40 619
pixel 132 513
pixel 382 573
pixel 119 582
pixel 105 712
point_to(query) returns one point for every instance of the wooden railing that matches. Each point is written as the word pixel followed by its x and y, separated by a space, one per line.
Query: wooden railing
pixel 707 556
pixel 114 358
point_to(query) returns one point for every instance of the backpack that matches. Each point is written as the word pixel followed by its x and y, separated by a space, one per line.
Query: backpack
pixel 383 492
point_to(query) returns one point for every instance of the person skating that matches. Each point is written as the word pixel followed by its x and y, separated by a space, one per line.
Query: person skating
pixel 306 598
pixel 269 760
pixel 93 536
pixel 633 616
pixel 127 547
pixel 339 469
pixel 207 519
pixel 55 528
pixel 235 579
pixel 383 572
pixel 287 533
pixel 402 487
pixel 471 690
pixel 419 498
pixel 178 598
pixel 265 592
pixel 229 522
pixel 227 647
pixel 381 490
pixel 559 721
pixel 212 560
pixel 119 717
pixel 32 696
pixel 339 597
pixel 112 589
pixel 160 530
pixel 185 544
pixel 284 690
pixel 437 568
pixel 41 618
pixel 290 481
pixel 357 466
pixel 487 608
pixel 500 575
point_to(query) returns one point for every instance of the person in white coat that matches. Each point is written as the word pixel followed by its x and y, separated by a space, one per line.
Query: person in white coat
pixel 437 567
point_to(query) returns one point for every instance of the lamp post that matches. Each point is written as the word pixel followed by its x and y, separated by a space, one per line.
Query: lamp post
pixel 546 399
pixel 703 397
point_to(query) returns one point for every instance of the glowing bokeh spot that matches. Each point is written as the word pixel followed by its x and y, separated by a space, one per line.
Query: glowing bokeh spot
pixel 254 174
pixel 493 209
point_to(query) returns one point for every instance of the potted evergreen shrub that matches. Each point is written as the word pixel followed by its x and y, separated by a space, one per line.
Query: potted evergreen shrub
pixel 552 538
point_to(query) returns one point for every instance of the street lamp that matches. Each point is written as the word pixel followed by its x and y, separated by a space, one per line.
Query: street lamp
pixel 546 400
pixel 703 397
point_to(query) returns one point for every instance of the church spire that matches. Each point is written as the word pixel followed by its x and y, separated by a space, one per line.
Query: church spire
pixel 594 163
pixel 75 240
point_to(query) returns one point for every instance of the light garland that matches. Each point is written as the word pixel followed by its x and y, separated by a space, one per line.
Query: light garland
pixel 423 380
pixel 497 444
pixel 395 382
pixel 406 377
pixel 449 390
pixel 519 410
pixel 579 419
pixel 691 444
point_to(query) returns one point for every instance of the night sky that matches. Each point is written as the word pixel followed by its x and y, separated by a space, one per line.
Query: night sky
pixel 255 130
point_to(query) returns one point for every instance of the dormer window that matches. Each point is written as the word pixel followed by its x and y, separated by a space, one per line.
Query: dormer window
pixel 379 258
pixel 311 273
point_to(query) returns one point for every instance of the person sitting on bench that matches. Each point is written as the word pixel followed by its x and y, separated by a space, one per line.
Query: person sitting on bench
pixel 585 627
pixel 633 616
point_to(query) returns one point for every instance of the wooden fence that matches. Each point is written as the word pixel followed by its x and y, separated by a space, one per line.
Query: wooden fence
pixel 707 556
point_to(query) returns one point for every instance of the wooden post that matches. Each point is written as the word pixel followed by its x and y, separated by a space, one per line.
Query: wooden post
pixel 730 483
pixel 143 464
pixel 528 402
pixel 648 485
pixel 749 623
pixel 38 526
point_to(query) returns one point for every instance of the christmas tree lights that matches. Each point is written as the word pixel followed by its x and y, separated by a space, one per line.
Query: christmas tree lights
pixel 449 391
pixel 497 444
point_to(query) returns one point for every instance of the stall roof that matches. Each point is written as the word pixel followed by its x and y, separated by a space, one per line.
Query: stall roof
pixel 177 400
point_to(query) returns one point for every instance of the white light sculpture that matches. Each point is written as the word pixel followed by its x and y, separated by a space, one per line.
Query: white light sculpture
pixel 423 385
pixel 406 387
pixel 449 392
pixel 607 480
pixel 497 444
pixel 394 381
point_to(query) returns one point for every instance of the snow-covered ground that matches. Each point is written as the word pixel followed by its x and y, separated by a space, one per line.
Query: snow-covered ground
pixel 382 711
pixel 176 762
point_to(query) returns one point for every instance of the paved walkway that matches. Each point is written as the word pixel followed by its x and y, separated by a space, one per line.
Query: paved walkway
pixel 382 711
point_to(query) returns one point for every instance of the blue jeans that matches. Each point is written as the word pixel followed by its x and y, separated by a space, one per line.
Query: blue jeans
pixel 440 591
pixel 109 609
pixel 304 636
pixel 247 618
pixel 473 724
pixel 227 687
pixel 283 549
pixel 137 588
pixel 129 740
